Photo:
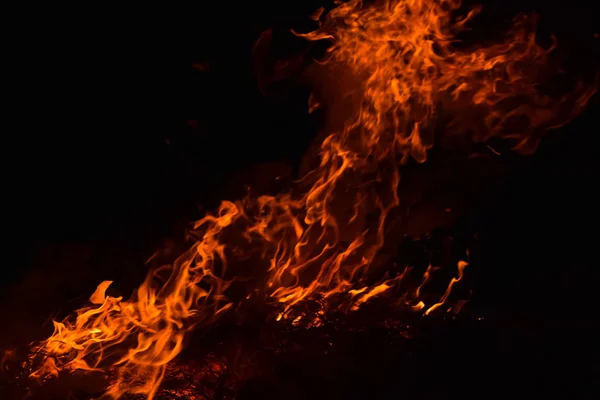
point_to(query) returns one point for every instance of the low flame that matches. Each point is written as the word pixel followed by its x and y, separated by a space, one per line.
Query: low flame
pixel 319 241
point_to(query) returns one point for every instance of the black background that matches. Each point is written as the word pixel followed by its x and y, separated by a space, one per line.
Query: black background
pixel 99 153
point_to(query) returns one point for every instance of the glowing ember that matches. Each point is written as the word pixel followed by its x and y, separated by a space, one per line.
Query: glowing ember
pixel 317 243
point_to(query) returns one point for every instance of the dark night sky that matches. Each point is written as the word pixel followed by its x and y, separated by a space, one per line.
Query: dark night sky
pixel 99 149
pixel 98 154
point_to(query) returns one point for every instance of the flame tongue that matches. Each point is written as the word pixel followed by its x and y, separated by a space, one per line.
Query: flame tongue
pixel 99 296
pixel 401 53
pixel 320 245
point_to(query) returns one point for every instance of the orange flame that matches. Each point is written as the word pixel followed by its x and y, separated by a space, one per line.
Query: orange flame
pixel 320 240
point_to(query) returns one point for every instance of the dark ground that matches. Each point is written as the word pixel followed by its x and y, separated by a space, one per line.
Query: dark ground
pixel 114 146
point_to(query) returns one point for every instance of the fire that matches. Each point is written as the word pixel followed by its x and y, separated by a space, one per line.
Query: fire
pixel 318 243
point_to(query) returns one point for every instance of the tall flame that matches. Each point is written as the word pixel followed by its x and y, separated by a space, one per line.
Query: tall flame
pixel 318 242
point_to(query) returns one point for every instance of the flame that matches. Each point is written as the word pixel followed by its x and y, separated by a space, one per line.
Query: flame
pixel 319 241
pixel 404 56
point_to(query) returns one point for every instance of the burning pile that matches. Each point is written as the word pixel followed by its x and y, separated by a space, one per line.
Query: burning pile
pixel 320 244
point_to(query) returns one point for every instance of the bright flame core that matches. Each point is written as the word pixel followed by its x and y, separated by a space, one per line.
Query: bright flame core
pixel 318 242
